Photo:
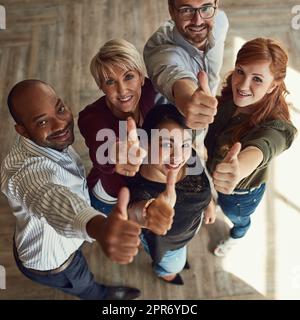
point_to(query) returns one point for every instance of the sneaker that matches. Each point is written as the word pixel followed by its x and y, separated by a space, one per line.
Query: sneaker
pixel 225 246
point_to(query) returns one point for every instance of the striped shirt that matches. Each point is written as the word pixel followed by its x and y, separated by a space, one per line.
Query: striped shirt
pixel 47 192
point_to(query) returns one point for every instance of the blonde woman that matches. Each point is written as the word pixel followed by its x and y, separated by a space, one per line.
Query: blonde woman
pixel 119 72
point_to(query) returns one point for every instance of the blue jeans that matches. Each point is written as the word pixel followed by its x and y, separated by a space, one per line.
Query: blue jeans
pixel 76 279
pixel 100 205
pixel 172 261
pixel 239 207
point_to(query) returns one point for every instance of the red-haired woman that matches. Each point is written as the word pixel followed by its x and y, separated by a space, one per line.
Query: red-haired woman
pixel 252 127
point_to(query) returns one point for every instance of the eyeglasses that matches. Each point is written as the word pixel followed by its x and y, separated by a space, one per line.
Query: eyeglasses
pixel 188 13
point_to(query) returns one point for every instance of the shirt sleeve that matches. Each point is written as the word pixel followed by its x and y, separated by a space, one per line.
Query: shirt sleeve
pixel 166 63
pixel 39 187
pixel 216 54
pixel 271 141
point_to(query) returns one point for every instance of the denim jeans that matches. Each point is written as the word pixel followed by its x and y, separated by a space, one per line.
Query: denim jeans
pixel 100 205
pixel 239 207
pixel 172 261
pixel 76 279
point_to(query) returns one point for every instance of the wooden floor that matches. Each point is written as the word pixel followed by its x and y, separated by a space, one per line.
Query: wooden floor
pixel 54 41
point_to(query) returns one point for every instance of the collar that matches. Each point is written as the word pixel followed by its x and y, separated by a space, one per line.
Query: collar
pixel 39 151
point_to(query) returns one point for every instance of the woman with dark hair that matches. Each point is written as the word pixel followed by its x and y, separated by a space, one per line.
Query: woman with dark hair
pixel 168 177
pixel 252 127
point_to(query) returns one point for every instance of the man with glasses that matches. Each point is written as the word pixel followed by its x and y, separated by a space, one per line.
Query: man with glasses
pixel 191 42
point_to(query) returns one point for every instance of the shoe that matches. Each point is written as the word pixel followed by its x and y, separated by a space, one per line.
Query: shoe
pixel 187 265
pixel 122 293
pixel 225 246
pixel 177 280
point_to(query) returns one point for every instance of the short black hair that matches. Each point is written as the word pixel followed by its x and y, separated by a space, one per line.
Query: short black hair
pixel 163 113
pixel 17 89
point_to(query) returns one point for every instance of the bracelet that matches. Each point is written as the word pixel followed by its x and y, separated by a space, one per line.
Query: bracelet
pixel 146 206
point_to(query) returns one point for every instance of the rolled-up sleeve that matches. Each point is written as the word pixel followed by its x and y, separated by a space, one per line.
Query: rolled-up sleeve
pixel 165 65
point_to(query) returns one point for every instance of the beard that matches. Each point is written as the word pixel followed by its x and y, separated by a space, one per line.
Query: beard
pixel 198 39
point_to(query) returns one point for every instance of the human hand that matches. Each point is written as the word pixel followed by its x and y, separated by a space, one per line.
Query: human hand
pixel 160 213
pixel 119 237
pixel 129 155
pixel 201 107
pixel 210 213
pixel 227 173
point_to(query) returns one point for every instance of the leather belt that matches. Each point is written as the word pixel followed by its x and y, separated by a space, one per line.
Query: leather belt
pixel 246 191
pixel 61 268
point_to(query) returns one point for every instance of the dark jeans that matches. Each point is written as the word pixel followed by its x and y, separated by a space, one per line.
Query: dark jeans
pixel 76 279
pixel 100 205
pixel 239 207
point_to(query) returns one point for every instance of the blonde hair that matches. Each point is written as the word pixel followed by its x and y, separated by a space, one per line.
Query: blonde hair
pixel 116 52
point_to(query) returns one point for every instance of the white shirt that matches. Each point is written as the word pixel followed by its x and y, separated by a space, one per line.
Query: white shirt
pixel 47 191
pixel 169 57
pixel 100 193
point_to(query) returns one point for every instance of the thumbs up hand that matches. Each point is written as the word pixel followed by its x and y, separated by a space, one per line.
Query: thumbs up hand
pixel 200 108
pixel 227 173
pixel 129 155
pixel 159 215
pixel 169 195
pixel 119 237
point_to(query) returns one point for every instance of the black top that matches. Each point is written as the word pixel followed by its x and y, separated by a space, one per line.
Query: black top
pixel 193 196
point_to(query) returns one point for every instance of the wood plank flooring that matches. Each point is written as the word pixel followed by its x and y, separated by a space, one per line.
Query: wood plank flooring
pixel 54 41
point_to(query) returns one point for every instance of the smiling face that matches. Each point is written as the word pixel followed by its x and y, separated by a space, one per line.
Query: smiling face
pixel 44 118
pixel 250 83
pixel 196 29
pixel 123 90
pixel 174 147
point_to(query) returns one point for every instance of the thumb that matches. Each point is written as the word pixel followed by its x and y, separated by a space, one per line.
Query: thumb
pixel 122 203
pixel 233 152
pixel 131 130
pixel 171 180
pixel 206 220
pixel 203 82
